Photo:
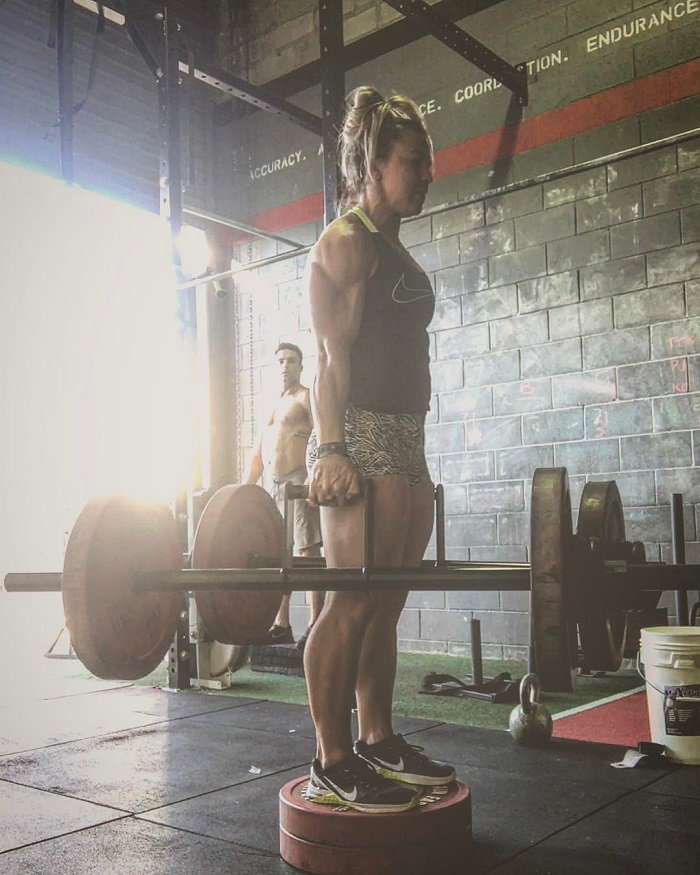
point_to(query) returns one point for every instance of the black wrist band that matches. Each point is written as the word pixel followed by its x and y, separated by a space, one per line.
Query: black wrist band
pixel 331 449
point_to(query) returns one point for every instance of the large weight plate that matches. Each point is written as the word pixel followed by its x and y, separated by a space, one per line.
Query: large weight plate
pixel 238 522
pixel 553 626
pixel 116 631
pixel 333 840
pixel 601 632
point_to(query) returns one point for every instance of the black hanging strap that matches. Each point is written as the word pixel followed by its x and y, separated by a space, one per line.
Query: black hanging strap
pixel 99 30
pixel 53 25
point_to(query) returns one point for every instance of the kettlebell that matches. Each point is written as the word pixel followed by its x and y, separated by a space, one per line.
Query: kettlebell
pixel 530 723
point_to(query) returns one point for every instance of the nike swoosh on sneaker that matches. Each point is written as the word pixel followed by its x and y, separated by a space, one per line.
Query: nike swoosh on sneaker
pixel 397 767
pixel 348 797
pixel 403 294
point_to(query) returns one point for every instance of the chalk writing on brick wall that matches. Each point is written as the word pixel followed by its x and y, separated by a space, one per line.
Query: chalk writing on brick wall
pixel 600 421
pixel 486 86
pixel 641 24
pixel 679 375
pixel 277 164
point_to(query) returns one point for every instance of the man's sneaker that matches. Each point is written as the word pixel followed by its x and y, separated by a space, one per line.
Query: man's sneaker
pixel 279 635
pixel 354 783
pixel 398 760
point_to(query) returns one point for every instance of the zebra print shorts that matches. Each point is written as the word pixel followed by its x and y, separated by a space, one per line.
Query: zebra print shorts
pixel 382 443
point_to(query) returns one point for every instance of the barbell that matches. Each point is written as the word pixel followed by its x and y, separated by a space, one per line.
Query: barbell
pixel 123 578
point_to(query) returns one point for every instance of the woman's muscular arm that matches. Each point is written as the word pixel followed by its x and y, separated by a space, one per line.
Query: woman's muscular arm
pixel 337 272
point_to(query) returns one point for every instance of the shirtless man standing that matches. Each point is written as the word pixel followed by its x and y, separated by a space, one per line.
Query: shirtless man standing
pixel 279 457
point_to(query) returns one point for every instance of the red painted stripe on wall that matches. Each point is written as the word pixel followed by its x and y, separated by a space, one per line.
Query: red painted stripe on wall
pixel 306 209
pixel 633 98
pixel 623 101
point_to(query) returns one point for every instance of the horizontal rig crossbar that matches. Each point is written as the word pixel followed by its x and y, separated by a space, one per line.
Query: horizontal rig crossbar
pixel 258 97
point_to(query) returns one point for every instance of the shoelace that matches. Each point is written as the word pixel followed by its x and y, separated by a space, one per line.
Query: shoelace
pixel 362 774
pixel 402 746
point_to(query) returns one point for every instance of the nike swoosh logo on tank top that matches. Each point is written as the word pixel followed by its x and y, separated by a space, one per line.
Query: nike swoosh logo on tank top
pixel 403 294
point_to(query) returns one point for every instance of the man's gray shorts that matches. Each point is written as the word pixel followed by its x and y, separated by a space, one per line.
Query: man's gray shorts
pixel 307 525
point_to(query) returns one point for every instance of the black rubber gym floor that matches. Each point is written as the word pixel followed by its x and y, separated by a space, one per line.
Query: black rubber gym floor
pixel 139 781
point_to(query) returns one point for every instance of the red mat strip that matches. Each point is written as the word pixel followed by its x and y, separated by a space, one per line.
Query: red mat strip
pixel 624 721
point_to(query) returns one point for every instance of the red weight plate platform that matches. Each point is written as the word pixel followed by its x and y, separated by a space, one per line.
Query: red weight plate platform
pixel 332 840
pixel 238 522
pixel 116 631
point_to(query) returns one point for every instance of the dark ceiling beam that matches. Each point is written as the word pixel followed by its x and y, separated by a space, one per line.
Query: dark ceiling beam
pixel 330 26
pixel 465 45
pixel 437 19
pixel 141 28
pixel 144 31
pixel 258 97
pixel 369 48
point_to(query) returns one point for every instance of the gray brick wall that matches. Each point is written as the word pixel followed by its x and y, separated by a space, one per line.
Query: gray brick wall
pixel 567 328
pixel 593 365
pixel 607 342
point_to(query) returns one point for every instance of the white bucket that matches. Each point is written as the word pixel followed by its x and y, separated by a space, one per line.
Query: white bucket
pixel 671 657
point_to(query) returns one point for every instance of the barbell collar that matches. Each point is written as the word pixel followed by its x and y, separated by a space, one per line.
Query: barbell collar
pixel 34 581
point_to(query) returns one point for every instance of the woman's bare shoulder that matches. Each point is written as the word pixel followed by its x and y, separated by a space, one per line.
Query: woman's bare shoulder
pixel 345 250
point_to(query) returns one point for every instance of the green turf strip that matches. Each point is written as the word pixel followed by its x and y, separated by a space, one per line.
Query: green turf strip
pixel 409 702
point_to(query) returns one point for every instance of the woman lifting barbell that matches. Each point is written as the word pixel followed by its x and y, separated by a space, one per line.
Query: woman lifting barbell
pixel 370 306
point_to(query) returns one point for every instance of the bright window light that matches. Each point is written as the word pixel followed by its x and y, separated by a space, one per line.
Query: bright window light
pixel 95 389
pixel 195 254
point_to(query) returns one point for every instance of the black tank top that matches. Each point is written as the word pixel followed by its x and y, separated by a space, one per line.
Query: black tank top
pixel 390 365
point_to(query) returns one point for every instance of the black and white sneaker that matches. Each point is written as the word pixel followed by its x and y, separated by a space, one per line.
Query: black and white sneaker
pixel 396 759
pixel 354 783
